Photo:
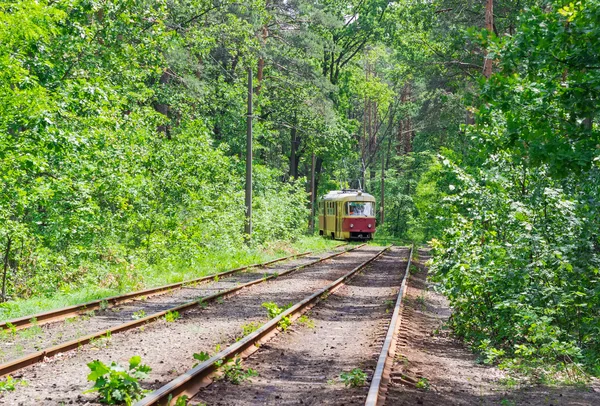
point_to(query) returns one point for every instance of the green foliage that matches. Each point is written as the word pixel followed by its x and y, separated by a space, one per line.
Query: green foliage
pixel 234 372
pixel 422 383
pixel 170 317
pixel 250 328
pixel 9 384
pixel 273 310
pixel 355 378
pixel 140 314
pixel 117 385
pixel 201 356
pixel 306 321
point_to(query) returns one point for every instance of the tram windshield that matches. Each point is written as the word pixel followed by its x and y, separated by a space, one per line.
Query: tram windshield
pixel 360 209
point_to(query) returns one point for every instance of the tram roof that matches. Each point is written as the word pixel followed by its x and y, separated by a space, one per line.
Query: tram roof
pixel 349 195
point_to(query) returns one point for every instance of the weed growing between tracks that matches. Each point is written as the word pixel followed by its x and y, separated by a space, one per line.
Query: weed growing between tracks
pixel 273 310
pixel 355 378
pixel 10 384
pixel 117 385
pixel 234 372
pixel 170 317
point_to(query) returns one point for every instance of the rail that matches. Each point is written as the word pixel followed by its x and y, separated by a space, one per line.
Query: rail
pixel 380 379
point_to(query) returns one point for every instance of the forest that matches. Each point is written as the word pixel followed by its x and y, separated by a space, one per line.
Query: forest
pixel 475 123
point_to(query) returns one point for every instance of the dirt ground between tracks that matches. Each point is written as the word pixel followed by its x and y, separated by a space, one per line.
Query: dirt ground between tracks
pixel 168 347
pixel 35 339
pixel 303 365
pixel 450 368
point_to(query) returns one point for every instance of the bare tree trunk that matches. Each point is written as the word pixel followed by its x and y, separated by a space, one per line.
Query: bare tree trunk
pixel 261 61
pixel 489 25
pixel 294 152
pixel 5 273
pixel 163 108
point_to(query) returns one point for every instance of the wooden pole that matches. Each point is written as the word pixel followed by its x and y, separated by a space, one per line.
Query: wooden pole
pixel 248 226
pixel 312 195
pixel 382 204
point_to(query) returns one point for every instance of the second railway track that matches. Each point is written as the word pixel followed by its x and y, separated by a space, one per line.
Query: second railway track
pixel 168 347
pixel 302 367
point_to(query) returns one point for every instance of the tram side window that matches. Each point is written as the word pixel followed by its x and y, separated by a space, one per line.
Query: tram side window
pixel 330 211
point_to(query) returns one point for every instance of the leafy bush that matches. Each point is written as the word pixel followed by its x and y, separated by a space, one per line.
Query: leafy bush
pixel 117 385
pixel 234 372
pixel 273 310
pixel 355 378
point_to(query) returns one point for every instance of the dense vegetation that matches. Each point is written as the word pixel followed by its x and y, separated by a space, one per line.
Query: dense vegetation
pixel 475 123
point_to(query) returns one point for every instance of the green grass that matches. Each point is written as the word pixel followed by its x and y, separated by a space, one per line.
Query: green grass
pixel 162 273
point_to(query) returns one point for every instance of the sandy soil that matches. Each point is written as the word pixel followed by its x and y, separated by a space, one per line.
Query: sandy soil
pixel 303 365
pixel 428 353
pixel 168 347
pixel 35 339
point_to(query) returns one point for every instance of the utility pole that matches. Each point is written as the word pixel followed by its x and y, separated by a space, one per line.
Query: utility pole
pixel 248 226
pixel 382 204
pixel 312 195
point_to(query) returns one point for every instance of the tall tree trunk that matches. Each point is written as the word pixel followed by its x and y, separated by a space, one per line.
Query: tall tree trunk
pixel 489 25
pixel 5 273
pixel 295 141
pixel 163 108
pixel 261 60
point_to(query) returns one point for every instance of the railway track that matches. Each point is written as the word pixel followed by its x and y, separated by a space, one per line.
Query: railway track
pixel 192 381
pixel 381 376
pixel 248 280
pixel 76 310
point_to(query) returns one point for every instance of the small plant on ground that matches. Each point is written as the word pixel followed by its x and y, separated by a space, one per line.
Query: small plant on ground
pixel 389 305
pixel 423 383
pixel 306 321
pixel 140 314
pixel 249 328
pixel 216 278
pixel 201 356
pixel 181 400
pixel 354 378
pixel 172 316
pixel 413 269
pixel 235 373
pixel 117 385
pixel 273 311
pixel 10 384
pixel 103 305
pixel 11 329
pixel 421 300
pixel 220 300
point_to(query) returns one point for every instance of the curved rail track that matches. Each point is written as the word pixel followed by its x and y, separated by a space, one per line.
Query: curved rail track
pixel 38 356
pixel 193 380
pixel 75 310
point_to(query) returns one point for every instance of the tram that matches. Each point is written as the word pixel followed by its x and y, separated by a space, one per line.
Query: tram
pixel 347 214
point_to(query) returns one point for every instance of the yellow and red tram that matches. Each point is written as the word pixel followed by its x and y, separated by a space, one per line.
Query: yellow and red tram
pixel 347 214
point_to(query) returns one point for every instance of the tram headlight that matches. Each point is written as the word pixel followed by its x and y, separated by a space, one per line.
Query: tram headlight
pixel 351 225
pixel 369 226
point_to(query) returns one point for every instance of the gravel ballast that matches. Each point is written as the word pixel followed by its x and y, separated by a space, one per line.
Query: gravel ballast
pixel 169 347
pixel 344 332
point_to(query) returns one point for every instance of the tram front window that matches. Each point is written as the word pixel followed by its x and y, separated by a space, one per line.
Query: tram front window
pixel 360 209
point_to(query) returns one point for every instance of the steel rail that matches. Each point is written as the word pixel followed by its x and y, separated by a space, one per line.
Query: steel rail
pixel 33 358
pixel 378 387
pixel 75 310
pixel 193 380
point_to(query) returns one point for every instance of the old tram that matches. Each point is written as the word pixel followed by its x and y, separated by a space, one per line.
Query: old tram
pixel 347 214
